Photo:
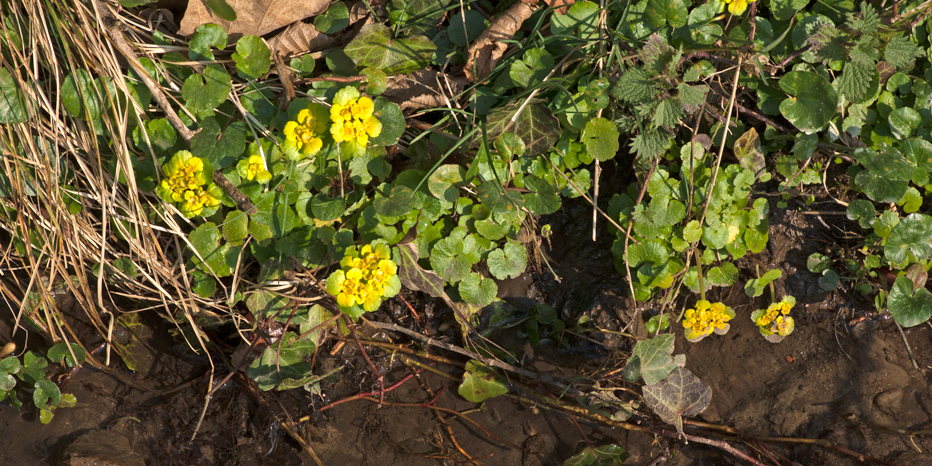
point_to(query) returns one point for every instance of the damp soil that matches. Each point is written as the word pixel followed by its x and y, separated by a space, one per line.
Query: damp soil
pixel 844 377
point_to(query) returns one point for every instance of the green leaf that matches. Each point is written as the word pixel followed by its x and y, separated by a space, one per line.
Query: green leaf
pixel 60 351
pixel 601 139
pixel 634 87
pixel 508 262
pixel 214 258
pixel 748 151
pixel 911 201
pixel 235 227
pixel 680 394
pixel 860 81
pixel 376 81
pixel 535 125
pixel 660 12
pixel 253 58
pixel 222 9
pixel 450 257
pixel 492 196
pixel 755 286
pixel 275 213
pixel 667 113
pixel 654 357
pixel 466 27
pixel 912 235
pixel 14 107
pixel 785 9
pixel 412 275
pixel 532 68
pixel 478 291
pixel 207 91
pixel 47 394
pixel 887 175
pixel 393 122
pixel 818 262
pixel 326 208
pixel 79 94
pixel 544 198
pixel 918 152
pixel 205 37
pixel 829 280
pixel 863 211
pixel 812 100
pixel 373 47
pixel 908 306
pixel 334 20
pixel 303 65
pixel 903 121
pixel 901 52
pixel 398 201
pixel 481 383
pixel 444 182
pixel 202 285
pixel 581 16
pixel 285 368
pixel 221 150
pixel 417 16
pixel 724 275
pixel 608 455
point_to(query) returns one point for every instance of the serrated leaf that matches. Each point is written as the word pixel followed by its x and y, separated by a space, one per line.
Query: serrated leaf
pixel 692 97
pixel 206 91
pixel 908 305
pixel 508 262
pixel 373 47
pixel 667 113
pixel 901 52
pixel 481 383
pixel 477 290
pixel 654 356
pixel 412 275
pixel 14 107
pixel 859 82
pixel 912 235
pixel 253 58
pixel 601 139
pixel 660 12
pixel 535 125
pixel 812 100
pixel 634 87
pixel 680 394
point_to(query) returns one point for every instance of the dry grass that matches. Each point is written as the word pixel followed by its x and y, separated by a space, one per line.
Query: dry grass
pixel 55 158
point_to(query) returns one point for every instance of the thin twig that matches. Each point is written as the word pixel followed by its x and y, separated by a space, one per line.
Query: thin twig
pixel 352 329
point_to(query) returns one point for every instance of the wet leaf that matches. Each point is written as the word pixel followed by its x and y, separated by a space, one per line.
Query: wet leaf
pixel 412 275
pixel 908 305
pixel 608 455
pixel 47 394
pixel 680 394
pixel 253 58
pixel 481 383
pixel 812 100
pixel 654 357
pixel 60 351
pixel 375 48
pixel 508 262
pixel 535 125
pixel 912 235
pixel 477 290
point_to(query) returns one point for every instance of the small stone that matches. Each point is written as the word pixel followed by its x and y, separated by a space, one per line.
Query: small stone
pixel 889 401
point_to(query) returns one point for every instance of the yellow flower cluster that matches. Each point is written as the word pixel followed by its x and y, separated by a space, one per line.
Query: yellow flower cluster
pixel 352 119
pixel 302 136
pixel 737 7
pixel 367 275
pixel 253 168
pixel 775 320
pixel 187 185
pixel 706 318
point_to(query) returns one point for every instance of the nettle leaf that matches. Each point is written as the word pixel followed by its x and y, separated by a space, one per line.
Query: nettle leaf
pixel 903 121
pixel 205 91
pixel 544 198
pixel 680 394
pixel 654 359
pixel 812 100
pixel 221 150
pixel 253 58
pixel 860 81
pixel 912 235
pixel 909 305
pixel 393 122
pixel 601 139
pixel 508 262
pixel 205 37
pixel 660 12
pixel 866 22
pixel 532 68
pixel 412 275
pixel 334 20
pixel 481 383
pixel 582 16
pixel 535 125
pixel 901 52
pixel 373 47
pixel 692 97
pixel 212 257
pixel 444 183
pixel 634 87
pixel 13 102
pixel 667 113
pixel 478 290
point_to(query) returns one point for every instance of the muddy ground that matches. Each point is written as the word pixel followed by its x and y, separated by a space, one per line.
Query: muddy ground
pixel 844 377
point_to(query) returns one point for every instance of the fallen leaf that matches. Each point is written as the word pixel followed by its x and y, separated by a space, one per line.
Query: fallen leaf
pixel 488 49
pixel 359 10
pixel 254 17
pixel 560 6
pixel 300 37
pixel 423 89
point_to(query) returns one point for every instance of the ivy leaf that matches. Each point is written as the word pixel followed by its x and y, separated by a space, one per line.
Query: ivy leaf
pixel 204 92
pixel 660 12
pixel 912 235
pixel 601 139
pixel 373 47
pixel 221 150
pixel 532 68
pixel 13 103
pixel 535 125
pixel 481 383
pixel 253 58
pixel 334 20
pixel 477 290
pixel 412 275
pixel 901 52
pixel 812 100
pixel 654 360
pixel 680 394
pixel 909 305
pixel 205 37
pixel 508 262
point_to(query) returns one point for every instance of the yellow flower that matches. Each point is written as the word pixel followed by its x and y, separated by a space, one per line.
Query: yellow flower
pixel 367 276
pixel 353 122
pixel 737 7
pixel 253 168
pixel 705 319
pixel 184 184
pixel 302 136
pixel 775 319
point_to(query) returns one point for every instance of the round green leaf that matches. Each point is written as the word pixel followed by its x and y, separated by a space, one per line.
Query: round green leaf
pixel 583 16
pixel 444 182
pixel 478 291
pixel 46 395
pixel 326 208
pixel 903 121
pixel 909 307
pixel 399 202
pixel 78 94
pixel 253 58
pixel 60 351
pixel 303 65
pixel 812 100
pixel 376 81
pixel 660 12
pixel 481 383
pixel 829 280
pixel 912 235
pixel 601 139
pixel 544 198
pixel 334 20
pixel 393 122
pixel 235 226
pixel 205 37
pixel 508 262
pixel 863 211
pixel 202 93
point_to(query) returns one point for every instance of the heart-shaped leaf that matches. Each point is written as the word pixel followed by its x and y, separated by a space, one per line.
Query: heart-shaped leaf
pixel 374 47
pixel 909 306
pixel 812 100
pixel 912 235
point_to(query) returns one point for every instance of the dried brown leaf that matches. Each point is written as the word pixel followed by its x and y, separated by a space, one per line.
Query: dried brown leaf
pixel 423 89
pixel 300 37
pixel 488 49
pixel 560 6
pixel 254 17
pixel 359 10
